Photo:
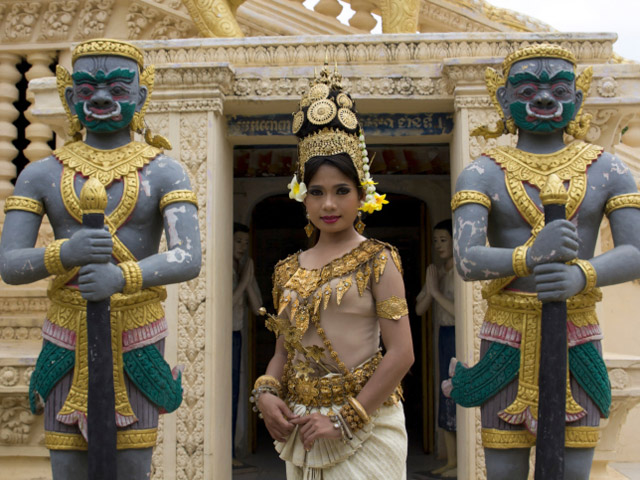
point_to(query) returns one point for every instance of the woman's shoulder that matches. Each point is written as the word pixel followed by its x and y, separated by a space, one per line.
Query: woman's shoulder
pixel 285 268
pixel 384 248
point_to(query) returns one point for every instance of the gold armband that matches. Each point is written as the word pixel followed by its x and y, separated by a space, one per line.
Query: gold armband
pixel 178 196
pixel 393 308
pixel 590 275
pixel 52 261
pixel 26 204
pixel 519 261
pixel 470 196
pixel 622 201
pixel 267 383
pixel 132 277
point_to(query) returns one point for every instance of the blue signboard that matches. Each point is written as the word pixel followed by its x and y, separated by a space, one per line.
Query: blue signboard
pixel 378 124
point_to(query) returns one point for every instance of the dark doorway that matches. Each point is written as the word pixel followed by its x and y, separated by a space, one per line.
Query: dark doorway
pixel 277 231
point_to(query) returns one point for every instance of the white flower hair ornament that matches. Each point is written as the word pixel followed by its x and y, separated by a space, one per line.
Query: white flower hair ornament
pixel 297 190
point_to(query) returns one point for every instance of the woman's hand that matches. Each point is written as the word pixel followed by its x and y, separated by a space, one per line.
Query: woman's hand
pixel 277 416
pixel 314 426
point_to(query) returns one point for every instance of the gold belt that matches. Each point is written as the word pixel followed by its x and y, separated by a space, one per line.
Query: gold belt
pixel 334 389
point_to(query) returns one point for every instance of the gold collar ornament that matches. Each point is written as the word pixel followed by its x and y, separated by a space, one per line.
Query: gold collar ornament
pixel 106 46
pixel 577 128
pixel 326 124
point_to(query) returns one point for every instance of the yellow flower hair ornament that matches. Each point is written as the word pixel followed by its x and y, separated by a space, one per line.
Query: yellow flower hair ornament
pixel 373 201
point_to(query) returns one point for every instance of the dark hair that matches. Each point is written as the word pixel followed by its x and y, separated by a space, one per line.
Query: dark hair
pixel 341 161
pixel 239 227
pixel 445 225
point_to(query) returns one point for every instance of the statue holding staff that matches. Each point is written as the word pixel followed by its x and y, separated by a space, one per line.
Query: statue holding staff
pixel 529 263
pixel 147 193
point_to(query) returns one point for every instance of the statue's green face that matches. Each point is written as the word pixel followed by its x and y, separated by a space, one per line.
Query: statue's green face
pixel 106 92
pixel 540 94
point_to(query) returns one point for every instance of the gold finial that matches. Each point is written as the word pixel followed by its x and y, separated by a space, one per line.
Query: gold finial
pixel 553 192
pixel 262 311
pixel 93 197
pixel 107 46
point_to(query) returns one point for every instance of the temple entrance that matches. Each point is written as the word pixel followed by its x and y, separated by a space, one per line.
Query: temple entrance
pixel 276 224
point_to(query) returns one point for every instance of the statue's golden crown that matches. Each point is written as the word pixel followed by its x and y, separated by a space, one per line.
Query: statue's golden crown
pixel 545 50
pixel 107 46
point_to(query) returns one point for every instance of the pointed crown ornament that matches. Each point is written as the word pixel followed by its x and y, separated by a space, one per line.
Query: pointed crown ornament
pixel 578 127
pixel 326 124
pixel 107 46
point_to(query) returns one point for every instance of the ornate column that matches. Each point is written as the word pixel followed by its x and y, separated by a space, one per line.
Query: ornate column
pixel 37 133
pixel 9 76
pixel 399 16
pixel 362 19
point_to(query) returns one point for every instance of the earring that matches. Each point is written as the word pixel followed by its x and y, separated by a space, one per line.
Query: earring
pixel 359 226
pixel 308 229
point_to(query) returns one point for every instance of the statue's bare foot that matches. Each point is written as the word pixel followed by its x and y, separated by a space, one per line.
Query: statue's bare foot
pixel 447 387
pixel 451 473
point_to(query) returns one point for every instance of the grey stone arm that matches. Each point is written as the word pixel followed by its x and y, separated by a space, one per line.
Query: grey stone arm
pixel 473 259
pixel 19 262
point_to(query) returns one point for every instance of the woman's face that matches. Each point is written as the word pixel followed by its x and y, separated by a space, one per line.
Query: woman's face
pixel 240 244
pixel 443 244
pixel 332 200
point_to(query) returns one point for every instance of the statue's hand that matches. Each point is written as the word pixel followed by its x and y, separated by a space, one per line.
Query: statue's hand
pixel 556 242
pixel 557 282
pixel 87 245
pixel 98 281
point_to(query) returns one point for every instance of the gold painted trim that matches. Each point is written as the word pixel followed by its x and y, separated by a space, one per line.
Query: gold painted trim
pixel 52 261
pixel 519 261
pixel 470 196
pixel 178 196
pixel 619 201
pixel 132 277
pixel 126 439
pixel 575 437
pixel 26 204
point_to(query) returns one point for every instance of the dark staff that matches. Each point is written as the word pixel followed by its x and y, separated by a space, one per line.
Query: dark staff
pixel 101 403
pixel 553 359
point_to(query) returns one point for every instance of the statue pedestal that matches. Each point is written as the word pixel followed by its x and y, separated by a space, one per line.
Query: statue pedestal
pixel 624 373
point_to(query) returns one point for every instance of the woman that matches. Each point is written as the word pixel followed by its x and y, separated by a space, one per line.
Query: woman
pixel 329 398
pixel 439 287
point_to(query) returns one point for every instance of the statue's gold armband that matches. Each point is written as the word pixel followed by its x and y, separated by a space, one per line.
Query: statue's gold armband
pixel 52 261
pixel 393 308
pixel 470 196
pixel 178 196
pixel 26 204
pixel 132 277
pixel 519 261
pixel 589 274
pixel 622 201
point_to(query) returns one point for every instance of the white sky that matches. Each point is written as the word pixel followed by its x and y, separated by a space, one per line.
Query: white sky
pixel 619 16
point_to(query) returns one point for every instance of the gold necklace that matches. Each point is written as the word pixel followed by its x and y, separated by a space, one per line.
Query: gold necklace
pixel 106 165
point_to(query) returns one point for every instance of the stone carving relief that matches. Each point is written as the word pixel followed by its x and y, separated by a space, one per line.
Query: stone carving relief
pixel 93 18
pixel 599 119
pixel 619 379
pixel 21 20
pixel 20 333
pixel 15 418
pixel 139 18
pixel 607 87
pixel 191 322
pixel 58 19
pixel 170 28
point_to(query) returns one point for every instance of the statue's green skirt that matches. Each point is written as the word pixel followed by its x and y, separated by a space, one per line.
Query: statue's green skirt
pixel 145 367
pixel 500 365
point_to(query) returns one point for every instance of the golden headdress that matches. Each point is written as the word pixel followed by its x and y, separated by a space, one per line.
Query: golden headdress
pixel 107 46
pixel 494 80
pixel 326 124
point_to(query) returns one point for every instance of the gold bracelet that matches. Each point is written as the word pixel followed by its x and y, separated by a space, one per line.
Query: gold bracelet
pixel 519 261
pixel 357 406
pixel 26 204
pixel 52 261
pixel 176 196
pixel 265 382
pixel 132 277
pixel 590 275
pixel 470 196
pixel 351 418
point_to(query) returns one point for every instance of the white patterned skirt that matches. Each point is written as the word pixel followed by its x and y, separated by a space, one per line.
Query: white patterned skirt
pixel 376 452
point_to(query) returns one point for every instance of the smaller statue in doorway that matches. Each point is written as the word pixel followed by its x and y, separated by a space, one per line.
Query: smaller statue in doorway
pixel 439 287
pixel 245 294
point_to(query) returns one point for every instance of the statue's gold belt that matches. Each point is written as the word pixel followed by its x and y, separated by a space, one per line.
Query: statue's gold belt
pixel 334 389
